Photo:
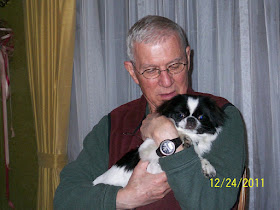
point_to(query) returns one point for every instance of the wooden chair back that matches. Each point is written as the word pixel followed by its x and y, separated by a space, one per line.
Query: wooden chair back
pixel 243 193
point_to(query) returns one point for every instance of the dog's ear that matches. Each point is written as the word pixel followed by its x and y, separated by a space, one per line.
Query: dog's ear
pixel 216 114
pixel 167 108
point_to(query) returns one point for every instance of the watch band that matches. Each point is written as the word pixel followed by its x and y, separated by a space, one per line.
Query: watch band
pixel 177 142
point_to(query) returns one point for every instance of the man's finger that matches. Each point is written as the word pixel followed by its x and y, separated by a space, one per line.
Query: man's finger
pixel 141 166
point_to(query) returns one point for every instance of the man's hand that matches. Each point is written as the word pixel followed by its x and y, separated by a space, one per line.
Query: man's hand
pixel 143 188
pixel 158 128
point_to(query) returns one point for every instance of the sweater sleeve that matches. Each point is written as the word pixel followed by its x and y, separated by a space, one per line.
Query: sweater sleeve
pixel 227 155
pixel 76 190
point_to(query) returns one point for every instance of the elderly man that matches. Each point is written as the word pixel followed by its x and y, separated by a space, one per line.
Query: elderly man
pixel 154 44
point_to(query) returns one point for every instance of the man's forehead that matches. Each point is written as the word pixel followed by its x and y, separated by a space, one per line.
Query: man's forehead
pixel 172 61
pixel 160 39
pixel 171 49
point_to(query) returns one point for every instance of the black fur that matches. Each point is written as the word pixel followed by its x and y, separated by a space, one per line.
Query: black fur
pixel 206 118
pixel 129 160
pixel 212 115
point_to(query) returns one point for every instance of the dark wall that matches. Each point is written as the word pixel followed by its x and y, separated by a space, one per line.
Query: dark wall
pixel 23 154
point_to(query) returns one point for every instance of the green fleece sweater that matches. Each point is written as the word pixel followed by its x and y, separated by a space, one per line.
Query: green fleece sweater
pixel 183 169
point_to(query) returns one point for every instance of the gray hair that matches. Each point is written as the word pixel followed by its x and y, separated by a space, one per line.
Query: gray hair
pixel 153 29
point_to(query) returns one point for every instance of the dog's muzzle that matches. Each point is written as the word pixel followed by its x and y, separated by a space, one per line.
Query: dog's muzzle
pixel 191 123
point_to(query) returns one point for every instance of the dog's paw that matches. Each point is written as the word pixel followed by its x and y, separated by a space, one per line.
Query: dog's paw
pixel 186 145
pixel 187 142
pixel 207 169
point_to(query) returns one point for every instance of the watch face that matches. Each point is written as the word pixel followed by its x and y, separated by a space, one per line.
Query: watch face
pixel 167 147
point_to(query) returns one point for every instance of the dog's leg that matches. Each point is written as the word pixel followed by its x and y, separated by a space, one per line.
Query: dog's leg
pixel 147 152
pixel 186 140
pixel 207 169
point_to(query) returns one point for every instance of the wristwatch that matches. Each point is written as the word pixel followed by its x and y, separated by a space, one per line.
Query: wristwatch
pixel 168 147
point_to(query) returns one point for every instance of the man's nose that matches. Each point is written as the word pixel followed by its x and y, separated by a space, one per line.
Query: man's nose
pixel 166 80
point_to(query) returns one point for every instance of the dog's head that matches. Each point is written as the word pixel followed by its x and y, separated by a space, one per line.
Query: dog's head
pixel 197 114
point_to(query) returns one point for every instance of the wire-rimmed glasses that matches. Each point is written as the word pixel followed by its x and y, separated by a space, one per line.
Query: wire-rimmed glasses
pixel 152 73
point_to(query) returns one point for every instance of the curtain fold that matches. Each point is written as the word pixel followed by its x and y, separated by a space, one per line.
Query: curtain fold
pixel 264 24
pixel 100 81
pixel 49 31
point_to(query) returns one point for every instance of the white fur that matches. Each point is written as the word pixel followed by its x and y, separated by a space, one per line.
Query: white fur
pixel 202 144
pixel 147 152
pixel 114 176
pixel 192 104
pixel 207 168
pixel 119 176
pixel 181 124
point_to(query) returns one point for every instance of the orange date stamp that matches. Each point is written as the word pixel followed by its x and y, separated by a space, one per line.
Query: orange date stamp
pixel 242 182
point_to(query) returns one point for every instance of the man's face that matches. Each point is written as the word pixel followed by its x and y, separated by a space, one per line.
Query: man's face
pixel 160 55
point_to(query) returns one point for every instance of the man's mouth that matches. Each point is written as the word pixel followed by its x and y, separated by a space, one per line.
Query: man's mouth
pixel 168 96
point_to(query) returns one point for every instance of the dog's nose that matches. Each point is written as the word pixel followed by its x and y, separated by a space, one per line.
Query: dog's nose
pixel 191 123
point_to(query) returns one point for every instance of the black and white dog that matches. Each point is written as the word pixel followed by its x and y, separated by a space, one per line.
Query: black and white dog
pixel 198 121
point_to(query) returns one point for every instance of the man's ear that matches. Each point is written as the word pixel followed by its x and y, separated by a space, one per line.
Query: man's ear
pixel 129 67
pixel 188 53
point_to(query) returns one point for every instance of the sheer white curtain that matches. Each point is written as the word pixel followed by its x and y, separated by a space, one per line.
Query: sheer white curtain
pixel 100 82
pixel 236 55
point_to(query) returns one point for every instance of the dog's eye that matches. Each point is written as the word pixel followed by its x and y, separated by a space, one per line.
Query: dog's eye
pixel 200 117
pixel 180 115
